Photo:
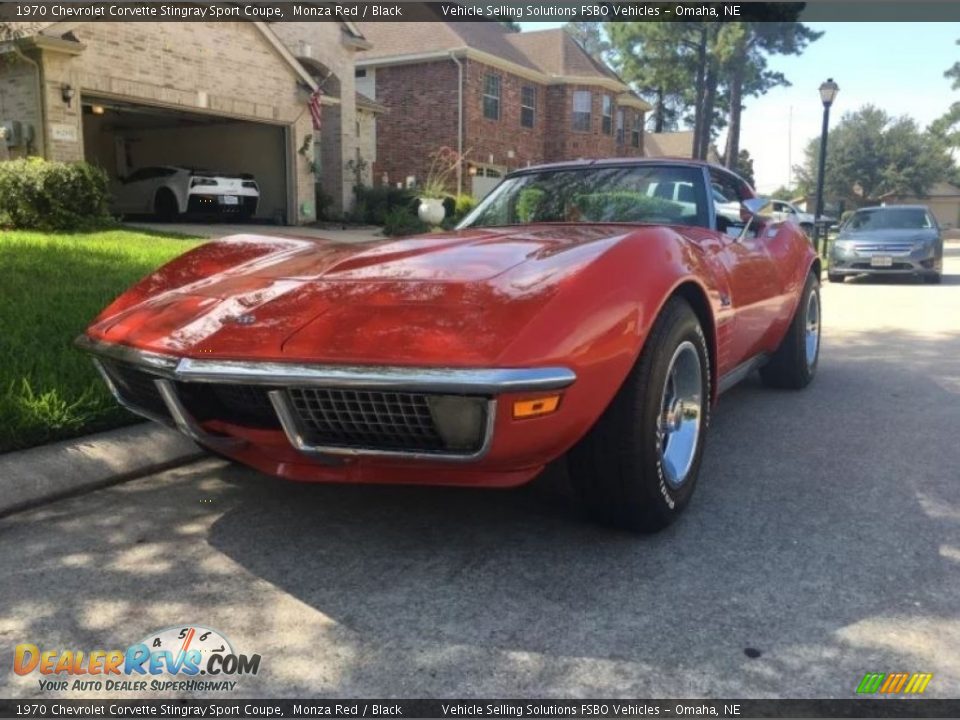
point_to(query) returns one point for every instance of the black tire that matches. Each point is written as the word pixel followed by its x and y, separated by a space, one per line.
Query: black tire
pixel 932 279
pixel 165 205
pixel 790 367
pixel 617 470
pixel 834 277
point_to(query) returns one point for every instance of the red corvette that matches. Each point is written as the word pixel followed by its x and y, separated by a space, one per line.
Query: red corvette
pixel 594 309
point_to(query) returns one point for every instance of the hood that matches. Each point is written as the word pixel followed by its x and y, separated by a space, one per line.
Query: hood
pixel 442 299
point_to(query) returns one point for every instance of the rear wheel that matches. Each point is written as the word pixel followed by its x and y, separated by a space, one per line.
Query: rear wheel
pixel 638 466
pixel 165 205
pixel 794 363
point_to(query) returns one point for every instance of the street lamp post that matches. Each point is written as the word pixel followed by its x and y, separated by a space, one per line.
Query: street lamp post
pixel 828 91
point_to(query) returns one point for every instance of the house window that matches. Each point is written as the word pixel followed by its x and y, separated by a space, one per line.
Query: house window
pixel 637 129
pixel 491 96
pixel 607 114
pixel 621 124
pixel 582 99
pixel 528 105
pixel 360 72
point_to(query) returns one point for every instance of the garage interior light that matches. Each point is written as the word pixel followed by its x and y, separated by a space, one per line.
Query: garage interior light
pixel 97 109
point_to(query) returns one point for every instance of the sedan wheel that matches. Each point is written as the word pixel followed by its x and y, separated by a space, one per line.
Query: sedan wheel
pixel 637 467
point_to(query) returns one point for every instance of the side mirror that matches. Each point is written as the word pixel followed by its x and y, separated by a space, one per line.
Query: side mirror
pixel 754 212
pixel 755 208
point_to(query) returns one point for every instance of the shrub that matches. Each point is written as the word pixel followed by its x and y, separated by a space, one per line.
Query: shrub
pixel 377 202
pixel 403 221
pixel 528 202
pixel 625 206
pixel 324 202
pixel 463 204
pixel 42 195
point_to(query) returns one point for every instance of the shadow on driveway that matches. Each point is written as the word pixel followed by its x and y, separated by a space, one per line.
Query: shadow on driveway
pixel 824 534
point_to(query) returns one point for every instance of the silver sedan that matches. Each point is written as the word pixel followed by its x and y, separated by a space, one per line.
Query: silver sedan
pixel 888 240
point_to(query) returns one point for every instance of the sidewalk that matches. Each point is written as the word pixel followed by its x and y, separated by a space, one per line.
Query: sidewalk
pixel 215 230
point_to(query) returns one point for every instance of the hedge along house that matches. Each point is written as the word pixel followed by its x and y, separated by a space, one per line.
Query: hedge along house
pixel 505 99
pixel 228 96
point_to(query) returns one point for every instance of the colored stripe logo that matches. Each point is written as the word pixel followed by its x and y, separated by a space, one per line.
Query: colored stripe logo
pixel 894 683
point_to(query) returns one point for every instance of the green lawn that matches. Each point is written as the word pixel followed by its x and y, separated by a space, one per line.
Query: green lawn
pixel 51 286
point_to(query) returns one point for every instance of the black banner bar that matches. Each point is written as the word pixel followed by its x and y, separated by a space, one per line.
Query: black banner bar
pixel 501 709
pixel 474 11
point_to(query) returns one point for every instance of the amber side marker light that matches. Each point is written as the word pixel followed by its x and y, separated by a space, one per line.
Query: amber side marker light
pixel 535 408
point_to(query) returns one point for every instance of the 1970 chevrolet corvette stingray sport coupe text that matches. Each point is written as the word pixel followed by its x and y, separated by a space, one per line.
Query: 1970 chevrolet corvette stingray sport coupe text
pixel 592 309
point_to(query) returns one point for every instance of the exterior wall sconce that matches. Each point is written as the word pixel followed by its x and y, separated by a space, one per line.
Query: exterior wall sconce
pixel 67 92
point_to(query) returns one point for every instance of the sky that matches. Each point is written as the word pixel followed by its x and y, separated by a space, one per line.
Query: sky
pixel 896 66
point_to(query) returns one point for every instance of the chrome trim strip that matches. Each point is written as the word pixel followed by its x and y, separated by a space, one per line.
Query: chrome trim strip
pixel 292 427
pixel 741 371
pixel 187 425
pixel 124 353
pixel 464 381
pixel 467 381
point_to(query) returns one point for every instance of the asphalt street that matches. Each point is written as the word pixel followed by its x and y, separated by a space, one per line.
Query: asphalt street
pixel 824 540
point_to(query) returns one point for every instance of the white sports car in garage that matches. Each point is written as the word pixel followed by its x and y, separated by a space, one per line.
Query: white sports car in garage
pixel 169 191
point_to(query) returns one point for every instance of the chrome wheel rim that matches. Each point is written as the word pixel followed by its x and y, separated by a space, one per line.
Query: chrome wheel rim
pixel 812 323
pixel 681 408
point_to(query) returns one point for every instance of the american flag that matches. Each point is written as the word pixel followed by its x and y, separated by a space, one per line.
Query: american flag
pixel 314 105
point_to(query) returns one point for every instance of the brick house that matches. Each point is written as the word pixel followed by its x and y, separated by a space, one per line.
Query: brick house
pixel 230 96
pixel 506 99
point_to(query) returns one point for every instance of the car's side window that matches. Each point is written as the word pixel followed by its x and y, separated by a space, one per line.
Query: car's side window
pixel 727 186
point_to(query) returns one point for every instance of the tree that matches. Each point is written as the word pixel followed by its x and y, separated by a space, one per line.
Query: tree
pixel 871 154
pixel 785 193
pixel 750 44
pixel 947 127
pixel 667 63
pixel 744 167
pixel 590 37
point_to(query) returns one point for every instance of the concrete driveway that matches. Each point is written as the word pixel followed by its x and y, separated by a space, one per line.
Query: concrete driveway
pixel 824 538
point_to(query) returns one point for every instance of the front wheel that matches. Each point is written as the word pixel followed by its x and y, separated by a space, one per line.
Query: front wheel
pixel 637 467
pixel 932 279
pixel 794 363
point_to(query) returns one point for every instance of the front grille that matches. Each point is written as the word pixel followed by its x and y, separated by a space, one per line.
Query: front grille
pixel 894 266
pixel 884 248
pixel 390 421
pixel 135 387
pixel 244 405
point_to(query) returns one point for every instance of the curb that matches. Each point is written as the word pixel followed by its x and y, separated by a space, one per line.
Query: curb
pixel 69 467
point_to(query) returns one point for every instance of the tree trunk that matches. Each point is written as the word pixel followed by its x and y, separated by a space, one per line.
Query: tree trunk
pixel 661 111
pixel 709 102
pixel 698 116
pixel 736 108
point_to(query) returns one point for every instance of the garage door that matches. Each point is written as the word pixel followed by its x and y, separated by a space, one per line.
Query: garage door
pixel 124 137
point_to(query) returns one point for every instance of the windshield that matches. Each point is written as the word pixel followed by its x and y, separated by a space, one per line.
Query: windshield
pixel 889 219
pixel 668 195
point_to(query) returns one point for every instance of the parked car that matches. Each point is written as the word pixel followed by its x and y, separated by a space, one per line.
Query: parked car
pixel 782 211
pixel 572 312
pixel 169 191
pixel 895 239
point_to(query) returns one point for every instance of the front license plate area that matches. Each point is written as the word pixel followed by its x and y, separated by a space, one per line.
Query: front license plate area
pixel 881 261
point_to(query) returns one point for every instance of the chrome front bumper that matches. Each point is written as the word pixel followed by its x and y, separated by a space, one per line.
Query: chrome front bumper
pixel 166 371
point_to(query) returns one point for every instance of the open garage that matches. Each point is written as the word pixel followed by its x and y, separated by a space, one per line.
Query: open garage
pixel 122 137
